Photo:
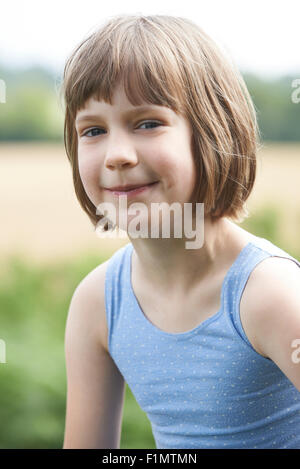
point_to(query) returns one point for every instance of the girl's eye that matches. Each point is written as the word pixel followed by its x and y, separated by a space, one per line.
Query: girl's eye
pixel 91 130
pixel 151 123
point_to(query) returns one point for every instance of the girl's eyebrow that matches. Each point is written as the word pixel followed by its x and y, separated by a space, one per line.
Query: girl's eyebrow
pixel 127 114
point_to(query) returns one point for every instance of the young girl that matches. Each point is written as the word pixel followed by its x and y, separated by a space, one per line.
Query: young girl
pixel 207 339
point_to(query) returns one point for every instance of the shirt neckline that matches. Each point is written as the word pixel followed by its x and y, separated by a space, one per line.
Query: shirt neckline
pixel 202 324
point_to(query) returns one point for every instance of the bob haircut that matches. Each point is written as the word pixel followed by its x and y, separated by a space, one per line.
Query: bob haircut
pixel 170 61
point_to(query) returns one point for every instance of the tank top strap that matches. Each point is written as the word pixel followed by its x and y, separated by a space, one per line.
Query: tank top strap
pixel 115 285
pixel 255 252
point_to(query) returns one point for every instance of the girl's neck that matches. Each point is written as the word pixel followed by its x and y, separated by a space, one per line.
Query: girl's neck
pixel 168 266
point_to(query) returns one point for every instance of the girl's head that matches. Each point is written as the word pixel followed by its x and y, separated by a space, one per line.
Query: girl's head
pixel 169 61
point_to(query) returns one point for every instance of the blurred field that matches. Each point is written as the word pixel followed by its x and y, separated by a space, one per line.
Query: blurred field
pixel 41 218
pixel 47 246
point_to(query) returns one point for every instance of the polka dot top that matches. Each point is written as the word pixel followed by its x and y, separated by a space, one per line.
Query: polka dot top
pixel 207 387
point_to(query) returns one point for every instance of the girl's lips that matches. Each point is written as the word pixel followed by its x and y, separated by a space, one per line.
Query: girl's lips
pixel 132 192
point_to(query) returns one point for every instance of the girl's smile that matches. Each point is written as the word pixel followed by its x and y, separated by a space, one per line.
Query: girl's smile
pixel 132 192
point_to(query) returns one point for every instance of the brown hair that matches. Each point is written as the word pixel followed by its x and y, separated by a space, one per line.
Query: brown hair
pixel 170 61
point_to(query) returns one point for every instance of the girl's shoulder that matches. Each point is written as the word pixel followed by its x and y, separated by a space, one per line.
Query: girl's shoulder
pixel 92 289
pixel 271 290
pixel 277 267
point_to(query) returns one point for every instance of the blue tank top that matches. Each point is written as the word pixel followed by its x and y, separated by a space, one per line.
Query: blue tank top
pixel 206 387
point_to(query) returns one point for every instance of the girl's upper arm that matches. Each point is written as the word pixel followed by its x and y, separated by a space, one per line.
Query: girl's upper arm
pixel 95 386
pixel 275 314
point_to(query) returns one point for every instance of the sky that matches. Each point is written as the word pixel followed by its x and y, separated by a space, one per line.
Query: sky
pixel 261 36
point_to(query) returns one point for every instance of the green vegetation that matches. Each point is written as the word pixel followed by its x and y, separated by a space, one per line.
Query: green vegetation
pixel 278 117
pixel 33 311
pixel 34 111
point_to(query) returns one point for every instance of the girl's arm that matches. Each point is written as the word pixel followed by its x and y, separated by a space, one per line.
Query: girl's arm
pixel 273 313
pixel 95 387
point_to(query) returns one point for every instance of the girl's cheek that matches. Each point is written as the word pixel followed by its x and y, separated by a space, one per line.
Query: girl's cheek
pixel 162 161
pixel 89 175
pixel 83 172
pixel 87 166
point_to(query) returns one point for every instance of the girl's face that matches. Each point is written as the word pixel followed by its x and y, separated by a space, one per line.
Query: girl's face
pixel 121 144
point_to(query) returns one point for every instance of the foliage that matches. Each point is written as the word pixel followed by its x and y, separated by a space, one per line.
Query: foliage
pixel 34 110
pixel 33 309
pixel 278 116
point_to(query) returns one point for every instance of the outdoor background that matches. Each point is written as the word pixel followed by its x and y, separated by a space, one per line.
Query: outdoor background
pixel 47 243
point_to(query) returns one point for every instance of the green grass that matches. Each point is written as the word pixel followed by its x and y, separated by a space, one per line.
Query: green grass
pixel 34 302
pixel 33 309
pixel 266 224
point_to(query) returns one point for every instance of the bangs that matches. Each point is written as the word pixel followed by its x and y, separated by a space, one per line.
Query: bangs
pixel 134 56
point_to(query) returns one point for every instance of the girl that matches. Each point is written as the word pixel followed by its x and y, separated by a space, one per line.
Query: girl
pixel 207 339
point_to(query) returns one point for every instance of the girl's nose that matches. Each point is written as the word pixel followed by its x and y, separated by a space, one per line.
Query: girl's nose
pixel 120 154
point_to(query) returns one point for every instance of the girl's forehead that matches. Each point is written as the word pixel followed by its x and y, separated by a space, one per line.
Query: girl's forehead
pixel 119 102
pixel 122 96
pixel 119 99
pixel 100 109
